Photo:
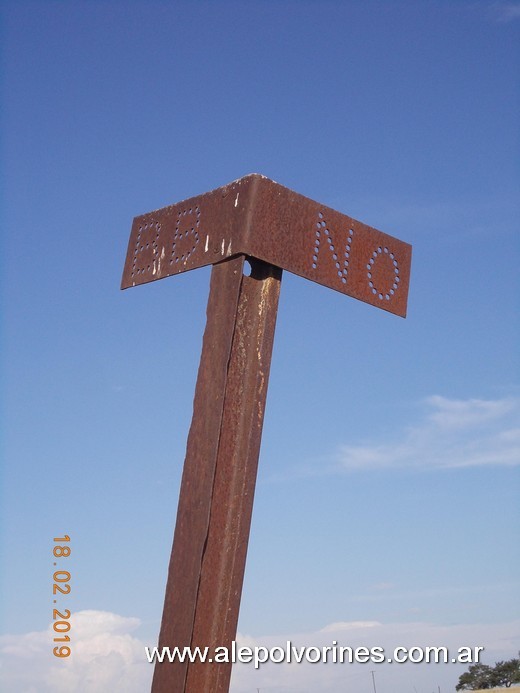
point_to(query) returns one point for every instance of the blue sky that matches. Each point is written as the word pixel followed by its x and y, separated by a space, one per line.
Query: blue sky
pixel 388 481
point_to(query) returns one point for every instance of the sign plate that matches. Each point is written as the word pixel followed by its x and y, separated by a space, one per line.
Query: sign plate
pixel 257 217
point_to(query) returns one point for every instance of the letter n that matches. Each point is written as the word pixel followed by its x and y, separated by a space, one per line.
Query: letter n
pixel 340 254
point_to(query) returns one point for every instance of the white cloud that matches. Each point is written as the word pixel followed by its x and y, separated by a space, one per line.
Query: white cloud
pixel 452 433
pixel 501 641
pixel 105 658
pixel 383 586
pixel 507 11
pixel 109 659
pixel 459 414
pixel 348 625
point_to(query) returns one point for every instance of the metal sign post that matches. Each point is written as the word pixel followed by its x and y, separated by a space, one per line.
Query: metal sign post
pixel 274 228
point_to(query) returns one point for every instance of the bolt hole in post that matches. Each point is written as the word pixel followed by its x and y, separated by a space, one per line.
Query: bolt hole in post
pixel 256 269
pixel 248 268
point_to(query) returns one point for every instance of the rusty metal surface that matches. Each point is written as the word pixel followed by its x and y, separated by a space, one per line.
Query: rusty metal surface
pixel 212 530
pixel 276 229
pixel 224 560
pixel 260 218
pixel 194 507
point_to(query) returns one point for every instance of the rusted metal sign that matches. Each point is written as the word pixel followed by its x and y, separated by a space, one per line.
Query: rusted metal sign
pixel 275 229
pixel 256 217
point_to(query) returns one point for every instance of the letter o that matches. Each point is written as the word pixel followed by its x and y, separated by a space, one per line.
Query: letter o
pixel 281 654
pixel 416 659
pixel 317 652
